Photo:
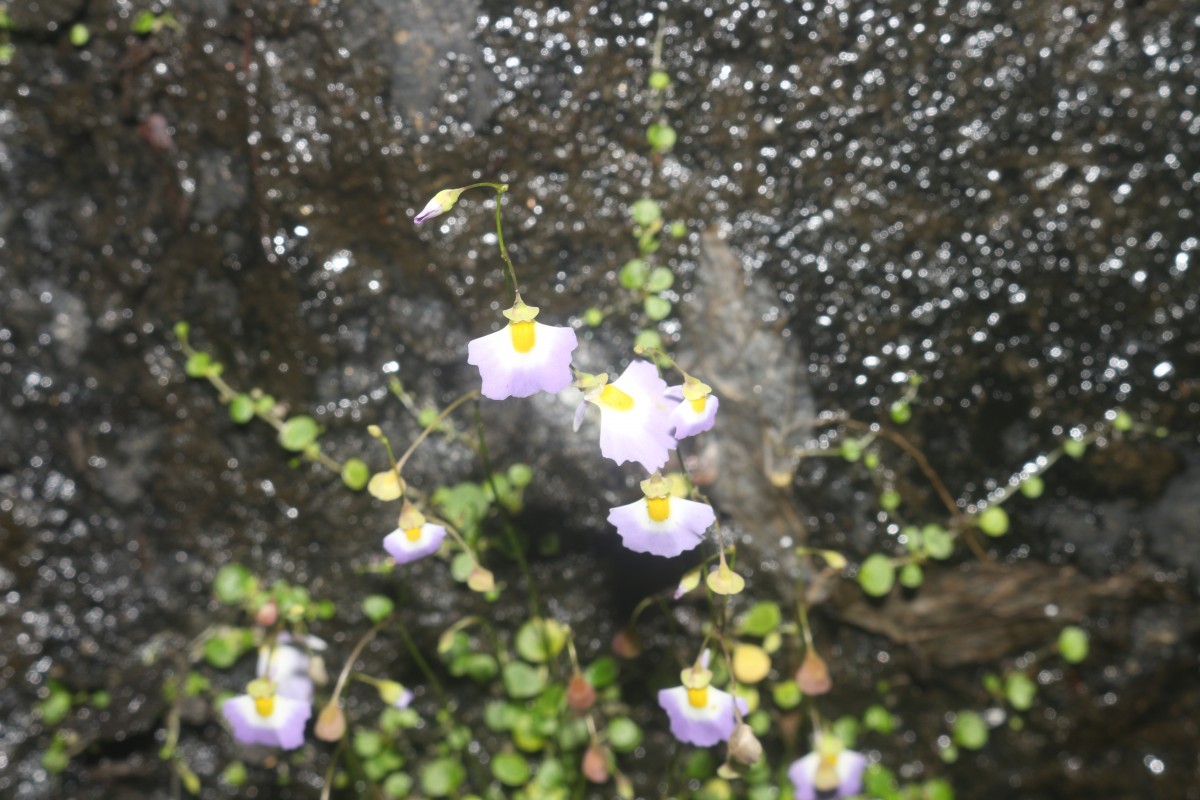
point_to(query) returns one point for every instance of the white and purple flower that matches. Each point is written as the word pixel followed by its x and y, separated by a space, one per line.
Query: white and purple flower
pixel 634 415
pixel 414 537
pixel 660 524
pixel 290 667
pixel 524 357
pixel 700 714
pixel 263 716
pixel 829 771
pixel 696 408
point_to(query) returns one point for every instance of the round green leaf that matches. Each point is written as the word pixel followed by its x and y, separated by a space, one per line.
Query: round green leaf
pixel 660 280
pixel 377 607
pixel 520 475
pixel 198 365
pixel 851 450
pixel 890 500
pixel 879 719
pixel 182 329
pixel 235 774
pixel 233 583
pixel 633 275
pixel 787 695
pixel 645 212
pixel 877 575
pixel 1020 691
pixel 994 521
pixel 648 339
pixel 298 433
pixel 398 785
pixel 911 576
pixel 901 412
pixel 937 541
pixel 522 681
pixel 970 731
pixel 1123 421
pixel 368 743
pixel 602 672
pixel 221 652
pixel 79 34
pixel 657 308
pixel 499 716
pixel 1033 486
pixel 1072 447
pixel 461 566
pixel 661 137
pixel 937 789
pixel 761 619
pixel 540 640
pixel 845 728
pixel 241 409
pixel 1073 644
pixel 442 776
pixel 511 769
pixel 678 229
pixel 593 317
pixel 659 80
pixel 355 474
pixel 624 734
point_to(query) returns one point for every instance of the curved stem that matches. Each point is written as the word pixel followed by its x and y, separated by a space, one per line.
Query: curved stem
pixel 400 462
pixel 422 664
pixel 354 654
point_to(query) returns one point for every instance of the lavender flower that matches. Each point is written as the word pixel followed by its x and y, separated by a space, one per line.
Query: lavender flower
pixel 289 667
pixel 634 415
pixel 829 771
pixel 262 716
pixel 442 202
pixel 696 410
pixel 700 714
pixel 660 524
pixel 524 357
pixel 414 538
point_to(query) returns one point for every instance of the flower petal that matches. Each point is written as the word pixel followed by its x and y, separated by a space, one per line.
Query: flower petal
pixel 507 373
pixel 705 726
pixel 405 550
pixel 681 531
pixel 283 728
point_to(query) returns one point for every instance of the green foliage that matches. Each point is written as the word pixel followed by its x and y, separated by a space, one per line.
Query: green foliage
pixel 1033 486
pixel 634 274
pixel 762 618
pixel 900 412
pixel 540 640
pixel 890 500
pixel 398 785
pixel 355 474
pixel 994 521
pixel 787 695
pixel 55 706
pixel 241 409
pixel 877 575
pixel 878 719
pixel 662 137
pixel 851 450
pixel 1020 690
pixel 377 607
pixel 523 681
pixel 602 672
pixel 659 280
pixel 657 308
pixel 298 433
pixel 1075 448
pixel 1073 644
pixel 623 734
pixel 911 576
pixel 645 212
pixel 235 774
pixel 593 317
pixel 79 34
pixel 234 583
pixel 442 777
pixel 1122 421
pixel 937 542
pixel 970 731
pixel 511 769
pixel 659 80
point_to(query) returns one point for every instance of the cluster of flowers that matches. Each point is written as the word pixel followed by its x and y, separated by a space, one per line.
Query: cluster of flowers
pixel 642 420
pixel 278 703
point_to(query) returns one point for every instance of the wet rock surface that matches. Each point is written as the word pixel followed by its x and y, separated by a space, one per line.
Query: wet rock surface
pixel 999 197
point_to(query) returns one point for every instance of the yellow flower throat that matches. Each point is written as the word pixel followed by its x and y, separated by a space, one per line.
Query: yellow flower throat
pixel 698 405
pixel 614 398
pixel 698 698
pixel 523 335
pixel 659 508
pixel 265 706
pixel 413 534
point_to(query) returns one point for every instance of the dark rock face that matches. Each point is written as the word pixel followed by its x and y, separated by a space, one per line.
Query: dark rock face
pixel 998 196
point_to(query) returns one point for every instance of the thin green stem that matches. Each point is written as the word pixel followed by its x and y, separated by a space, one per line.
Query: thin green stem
pixel 510 271
pixel 518 553
pixel 431 427
pixel 422 664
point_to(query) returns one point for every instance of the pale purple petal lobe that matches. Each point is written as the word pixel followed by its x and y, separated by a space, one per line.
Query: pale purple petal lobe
pixel 284 727
pixel 405 550
pixel 681 531
pixel 704 726
pixel 507 373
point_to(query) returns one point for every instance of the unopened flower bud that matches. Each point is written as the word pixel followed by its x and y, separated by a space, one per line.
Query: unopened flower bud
pixel 626 644
pixel 267 614
pixel 481 579
pixel 595 764
pixel 744 746
pixel 394 694
pixel 331 723
pixel 316 670
pixel 442 202
pixel 581 695
pixel 813 675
